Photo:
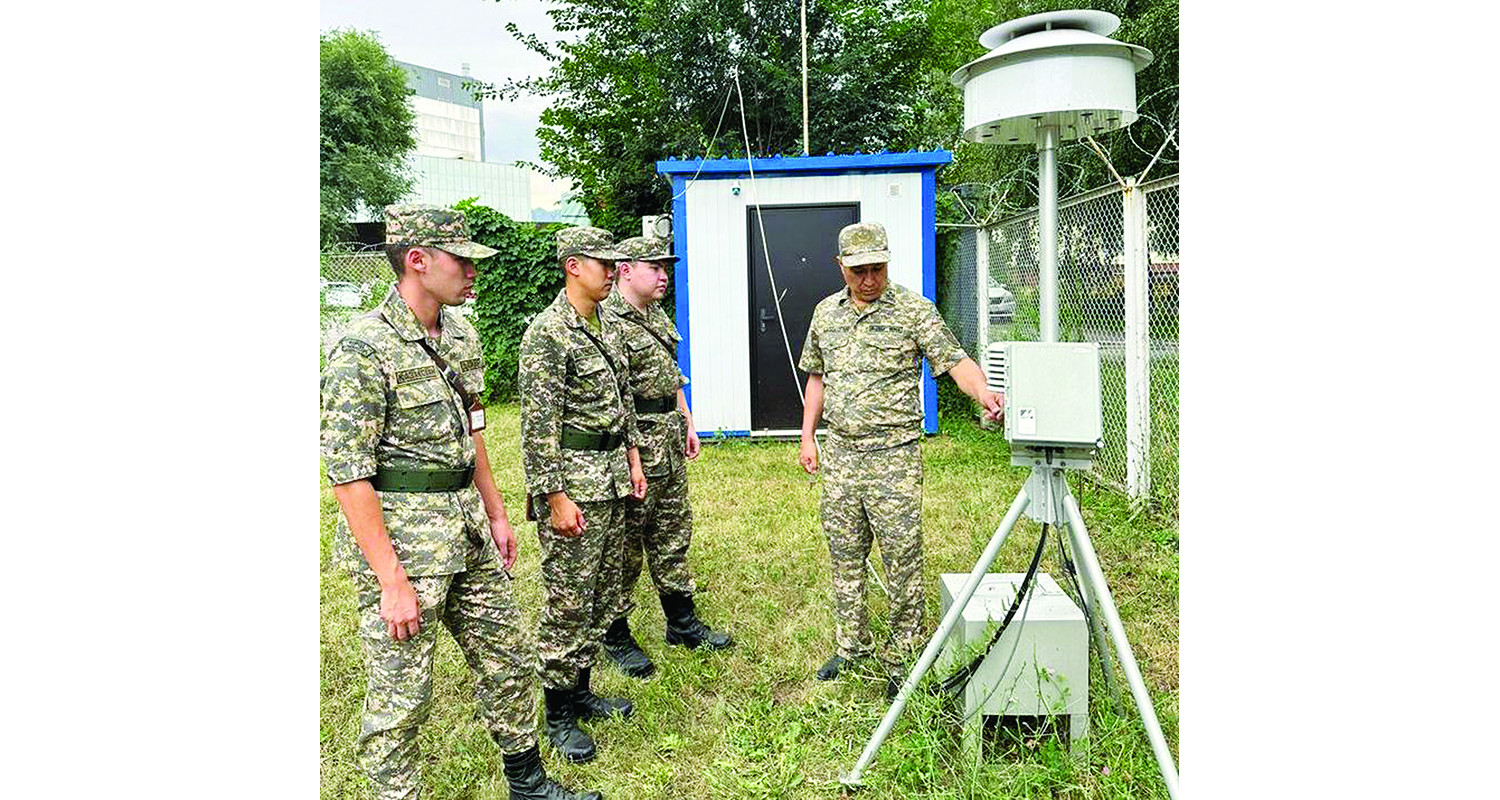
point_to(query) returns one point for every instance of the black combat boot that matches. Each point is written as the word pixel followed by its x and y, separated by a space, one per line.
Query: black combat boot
pixel 623 650
pixel 588 705
pixel 684 627
pixel 830 669
pixel 528 780
pixel 562 727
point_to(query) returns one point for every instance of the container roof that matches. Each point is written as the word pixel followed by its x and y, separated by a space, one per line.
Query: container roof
pixel 909 161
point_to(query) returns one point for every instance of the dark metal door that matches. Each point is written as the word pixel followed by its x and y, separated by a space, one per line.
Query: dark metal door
pixel 803 241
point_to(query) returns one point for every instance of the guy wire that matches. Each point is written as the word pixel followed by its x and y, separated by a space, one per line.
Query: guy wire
pixel 775 295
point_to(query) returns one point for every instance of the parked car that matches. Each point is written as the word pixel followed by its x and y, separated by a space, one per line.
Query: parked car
pixel 1002 305
pixel 343 294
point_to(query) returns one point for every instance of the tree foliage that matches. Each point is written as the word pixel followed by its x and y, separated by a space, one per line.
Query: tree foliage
pixel 634 81
pixel 366 128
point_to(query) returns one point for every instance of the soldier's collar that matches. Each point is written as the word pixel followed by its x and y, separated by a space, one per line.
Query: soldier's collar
pixel 570 315
pixel 401 317
pixel 619 305
pixel 448 316
pixel 846 299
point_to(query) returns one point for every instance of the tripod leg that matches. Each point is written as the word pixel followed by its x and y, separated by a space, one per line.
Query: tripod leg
pixel 1096 628
pixel 1094 577
pixel 935 644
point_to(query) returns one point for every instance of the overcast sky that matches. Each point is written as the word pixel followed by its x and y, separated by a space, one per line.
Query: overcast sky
pixel 444 35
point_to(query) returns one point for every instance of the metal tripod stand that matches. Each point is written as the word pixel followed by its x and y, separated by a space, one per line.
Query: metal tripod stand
pixel 1047 486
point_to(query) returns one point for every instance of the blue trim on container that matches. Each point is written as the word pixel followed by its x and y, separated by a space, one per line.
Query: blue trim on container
pixel 804 164
pixel 929 289
pixel 812 173
pixel 707 435
pixel 680 275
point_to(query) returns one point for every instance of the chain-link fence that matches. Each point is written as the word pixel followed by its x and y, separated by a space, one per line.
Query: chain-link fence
pixel 1094 252
pixel 960 298
pixel 352 280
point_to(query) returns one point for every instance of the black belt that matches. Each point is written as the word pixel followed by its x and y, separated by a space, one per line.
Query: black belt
pixel 574 439
pixel 655 405
pixel 421 480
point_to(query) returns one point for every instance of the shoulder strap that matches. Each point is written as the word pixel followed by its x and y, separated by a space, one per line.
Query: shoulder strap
pixel 671 352
pixel 447 371
pixel 452 377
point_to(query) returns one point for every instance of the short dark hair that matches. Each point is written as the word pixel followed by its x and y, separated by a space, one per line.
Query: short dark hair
pixel 396 254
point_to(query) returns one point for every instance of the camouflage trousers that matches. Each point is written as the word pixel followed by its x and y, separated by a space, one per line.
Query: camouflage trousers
pixel 868 496
pixel 581 581
pixel 661 525
pixel 479 609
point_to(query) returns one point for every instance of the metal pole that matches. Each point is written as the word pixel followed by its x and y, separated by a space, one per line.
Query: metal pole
pixel 806 148
pixel 1046 147
pixel 982 279
pixel 1083 550
pixel 935 644
pixel 1137 345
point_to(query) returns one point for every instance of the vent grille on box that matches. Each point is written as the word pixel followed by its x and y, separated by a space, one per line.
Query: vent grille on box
pixel 995 373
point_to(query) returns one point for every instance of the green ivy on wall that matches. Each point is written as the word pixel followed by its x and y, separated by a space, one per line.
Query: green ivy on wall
pixel 512 287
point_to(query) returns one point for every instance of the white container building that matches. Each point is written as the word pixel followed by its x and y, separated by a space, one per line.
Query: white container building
pixel 741 381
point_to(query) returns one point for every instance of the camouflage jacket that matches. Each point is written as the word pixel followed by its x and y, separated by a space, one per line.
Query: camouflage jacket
pixel 572 377
pixel 871 366
pixel 653 373
pixel 385 404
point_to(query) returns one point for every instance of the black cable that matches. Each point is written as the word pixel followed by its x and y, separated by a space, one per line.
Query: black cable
pixel 1071 573
pixel 955 682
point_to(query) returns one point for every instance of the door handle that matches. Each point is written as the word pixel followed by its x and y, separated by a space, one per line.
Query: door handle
pixel 764 318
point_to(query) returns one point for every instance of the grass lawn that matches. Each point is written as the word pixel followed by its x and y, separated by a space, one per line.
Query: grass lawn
pixel 753 722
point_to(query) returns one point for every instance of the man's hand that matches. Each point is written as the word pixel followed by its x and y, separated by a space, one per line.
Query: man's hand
pixel 993 404
pixel 808 456
pixel 637 482
pixel 567 517
pixel 637 474
pixel 693 445
pixel 398 607
pixel 505 541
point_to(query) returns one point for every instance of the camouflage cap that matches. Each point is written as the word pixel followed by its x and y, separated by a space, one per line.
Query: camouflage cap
pixel 863 243
pixel 592 242
pixel 647 248
pixel 422 225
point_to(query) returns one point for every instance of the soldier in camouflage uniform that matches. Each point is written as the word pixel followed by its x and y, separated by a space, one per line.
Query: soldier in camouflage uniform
pixel 424 533
pixel 579 450
pixel 662 524
pixel 863 358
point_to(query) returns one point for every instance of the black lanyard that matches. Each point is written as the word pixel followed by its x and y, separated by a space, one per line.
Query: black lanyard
pixel 471 403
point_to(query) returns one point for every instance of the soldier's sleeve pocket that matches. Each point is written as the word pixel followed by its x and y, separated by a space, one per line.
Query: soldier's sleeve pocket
pixel 411 395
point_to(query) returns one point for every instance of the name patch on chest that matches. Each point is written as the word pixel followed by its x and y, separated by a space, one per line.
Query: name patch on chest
pixel 470 364
pixel 405 376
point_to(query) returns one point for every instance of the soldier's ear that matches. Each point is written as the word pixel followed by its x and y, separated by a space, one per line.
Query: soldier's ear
pixel 418 259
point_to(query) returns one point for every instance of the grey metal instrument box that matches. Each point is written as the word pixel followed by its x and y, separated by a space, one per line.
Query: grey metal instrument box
pixel 1053 398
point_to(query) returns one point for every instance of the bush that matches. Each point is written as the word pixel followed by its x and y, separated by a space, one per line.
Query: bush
pixel 512 287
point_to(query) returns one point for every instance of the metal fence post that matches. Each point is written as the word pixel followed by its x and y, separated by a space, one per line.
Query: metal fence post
pixel 982 281
pixel 1137 344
